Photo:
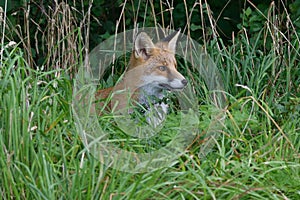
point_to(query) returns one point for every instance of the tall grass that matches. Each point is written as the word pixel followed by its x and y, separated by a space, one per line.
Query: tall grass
pixel 256 156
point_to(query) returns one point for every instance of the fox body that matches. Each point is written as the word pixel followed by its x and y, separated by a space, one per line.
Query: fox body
pixel 151 70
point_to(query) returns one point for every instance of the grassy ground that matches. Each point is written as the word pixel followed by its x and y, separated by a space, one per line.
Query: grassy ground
pixel 256 155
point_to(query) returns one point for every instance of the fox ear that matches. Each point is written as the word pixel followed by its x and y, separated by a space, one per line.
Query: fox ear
pixel 172 40
pixel 143 46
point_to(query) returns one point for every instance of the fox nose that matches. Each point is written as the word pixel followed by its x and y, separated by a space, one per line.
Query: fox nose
pixel 184 82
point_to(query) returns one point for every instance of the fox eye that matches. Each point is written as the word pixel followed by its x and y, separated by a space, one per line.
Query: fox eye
pixel 162 68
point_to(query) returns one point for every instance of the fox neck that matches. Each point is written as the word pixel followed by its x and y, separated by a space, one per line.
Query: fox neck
pixel 139 89
pixel 149 93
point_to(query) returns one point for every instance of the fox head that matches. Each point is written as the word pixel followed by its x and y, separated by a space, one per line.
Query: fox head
pixel 157 63
pixel 151 69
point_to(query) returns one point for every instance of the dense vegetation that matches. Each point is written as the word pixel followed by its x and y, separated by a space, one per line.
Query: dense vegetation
pixel 255 46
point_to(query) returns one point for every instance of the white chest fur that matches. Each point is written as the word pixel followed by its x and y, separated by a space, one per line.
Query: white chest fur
pixel 156 111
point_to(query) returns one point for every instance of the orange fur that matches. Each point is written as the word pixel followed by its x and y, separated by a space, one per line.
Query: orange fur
pixel 152 68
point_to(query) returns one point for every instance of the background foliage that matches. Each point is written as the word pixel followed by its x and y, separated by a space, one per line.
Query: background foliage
pixel 39 22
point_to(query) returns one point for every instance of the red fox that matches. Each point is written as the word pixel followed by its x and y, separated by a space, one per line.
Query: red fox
pixel 151 70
